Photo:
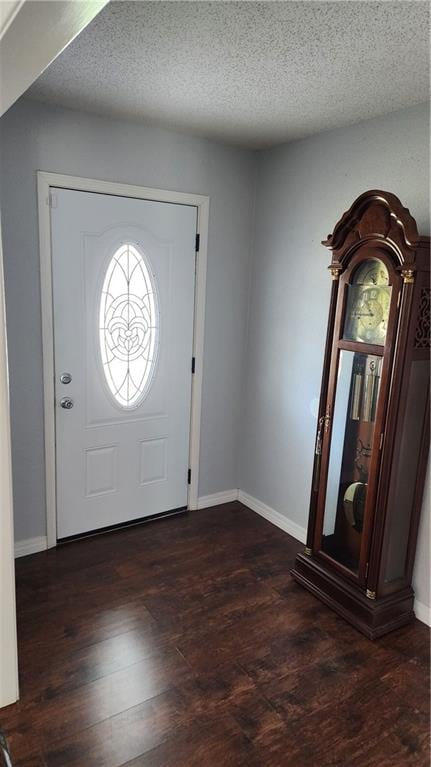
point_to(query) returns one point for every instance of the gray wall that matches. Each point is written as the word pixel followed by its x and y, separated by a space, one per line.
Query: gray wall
pixel 302 190
pixel 35 137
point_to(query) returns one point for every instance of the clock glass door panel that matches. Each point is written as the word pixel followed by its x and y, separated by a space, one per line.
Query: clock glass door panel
pixel 357 391
pixel 368 303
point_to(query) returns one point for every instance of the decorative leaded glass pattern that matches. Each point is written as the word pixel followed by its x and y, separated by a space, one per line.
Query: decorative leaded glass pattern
pixel 422 334
pixel 128 326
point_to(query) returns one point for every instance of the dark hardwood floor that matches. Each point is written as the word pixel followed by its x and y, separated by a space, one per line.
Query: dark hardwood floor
pixel 185 643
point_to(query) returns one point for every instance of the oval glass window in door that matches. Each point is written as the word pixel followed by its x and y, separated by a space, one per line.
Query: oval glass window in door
pixel 128 326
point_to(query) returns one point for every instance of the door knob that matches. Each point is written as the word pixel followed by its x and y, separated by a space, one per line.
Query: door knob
pixel 66 402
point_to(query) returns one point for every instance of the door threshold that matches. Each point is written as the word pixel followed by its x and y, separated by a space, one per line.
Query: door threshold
pixel 123 525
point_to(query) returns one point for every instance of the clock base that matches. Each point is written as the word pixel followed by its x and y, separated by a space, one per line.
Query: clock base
pixel 372 617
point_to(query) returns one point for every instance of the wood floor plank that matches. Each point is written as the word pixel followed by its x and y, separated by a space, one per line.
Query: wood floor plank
pixel 55 675
pixel 221 744
pixel 64 633
pixel 66 713
pixel 125 736
pixel 295 695
pixel 36 760
pixel 401 748
pixel 352 727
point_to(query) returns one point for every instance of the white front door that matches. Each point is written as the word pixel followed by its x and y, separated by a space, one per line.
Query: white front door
pixel 123 304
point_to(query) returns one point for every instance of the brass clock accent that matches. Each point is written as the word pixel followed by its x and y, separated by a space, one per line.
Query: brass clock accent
pixel 408 276
pixel 366 492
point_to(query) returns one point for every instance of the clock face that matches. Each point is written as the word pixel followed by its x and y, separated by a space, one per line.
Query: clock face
pixel 367 314
pixel 368 304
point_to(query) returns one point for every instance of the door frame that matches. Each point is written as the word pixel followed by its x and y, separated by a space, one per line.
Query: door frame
pixel 45 182
pixel 9 690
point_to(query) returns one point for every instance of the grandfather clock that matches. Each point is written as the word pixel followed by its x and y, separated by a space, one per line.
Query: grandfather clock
pixel 373 426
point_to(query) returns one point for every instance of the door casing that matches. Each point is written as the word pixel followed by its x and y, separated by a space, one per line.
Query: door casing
pixel 45 182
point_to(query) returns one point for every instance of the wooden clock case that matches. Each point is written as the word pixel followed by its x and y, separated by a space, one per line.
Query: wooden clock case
pixel 376 595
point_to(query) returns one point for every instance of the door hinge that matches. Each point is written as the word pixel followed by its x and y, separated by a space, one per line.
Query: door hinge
pixel 189 477
pixel 51 200
pixel 366 570
pixel 381 440
pixel 193 364
pixel 197 243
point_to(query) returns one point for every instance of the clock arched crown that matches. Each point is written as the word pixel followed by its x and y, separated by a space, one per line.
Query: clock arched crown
pixel 380 217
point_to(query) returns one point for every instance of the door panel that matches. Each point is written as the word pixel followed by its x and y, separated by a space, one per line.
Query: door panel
pixel 121 456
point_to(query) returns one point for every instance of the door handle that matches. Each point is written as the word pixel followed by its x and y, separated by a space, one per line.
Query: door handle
pixel 66 403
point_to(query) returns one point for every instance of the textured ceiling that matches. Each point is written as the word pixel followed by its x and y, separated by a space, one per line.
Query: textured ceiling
pixel 253 73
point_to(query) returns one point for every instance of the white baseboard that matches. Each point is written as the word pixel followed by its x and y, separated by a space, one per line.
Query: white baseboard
pixel 284 523
pixel 226 496
pixel 30 546
pixel 422 612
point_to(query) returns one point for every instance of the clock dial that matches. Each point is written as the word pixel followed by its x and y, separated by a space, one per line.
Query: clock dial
pixel 368 304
